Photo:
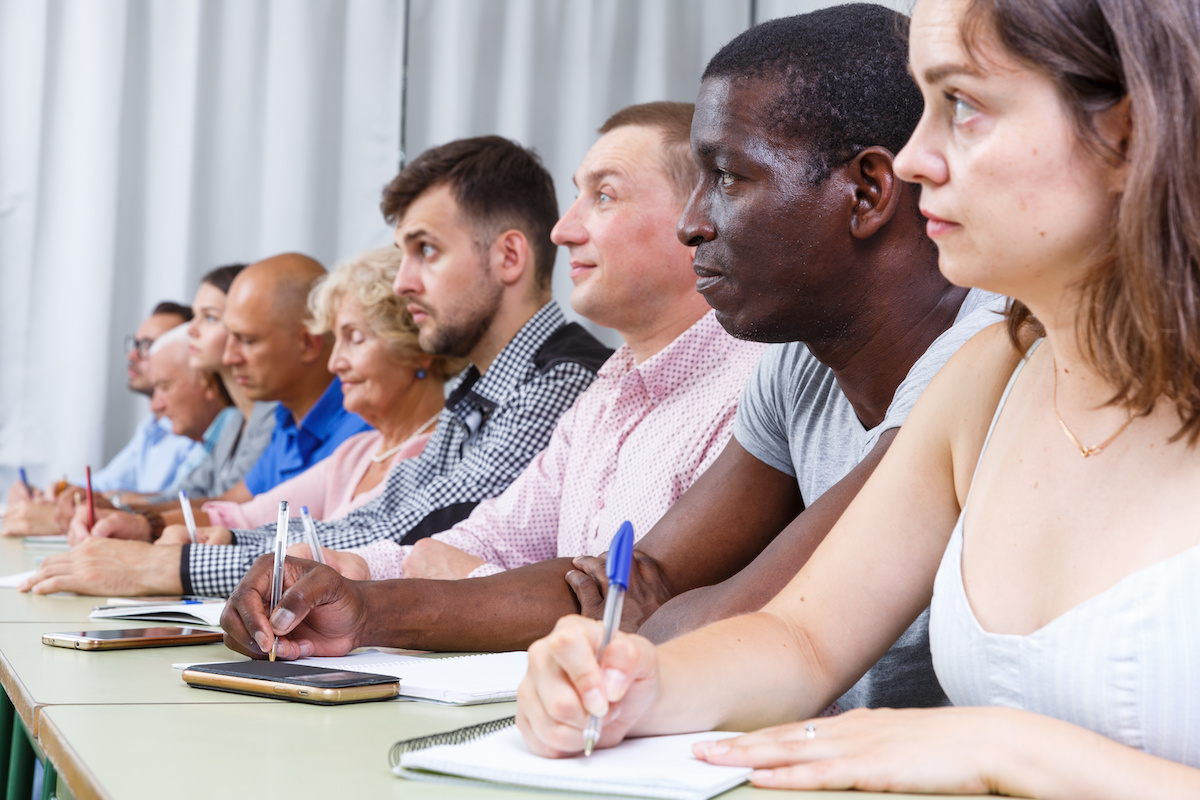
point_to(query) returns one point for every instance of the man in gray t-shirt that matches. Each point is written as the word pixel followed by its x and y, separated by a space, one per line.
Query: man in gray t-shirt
pixel 794 417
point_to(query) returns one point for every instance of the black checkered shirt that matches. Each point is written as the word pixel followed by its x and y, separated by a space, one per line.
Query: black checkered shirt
pixel 491 428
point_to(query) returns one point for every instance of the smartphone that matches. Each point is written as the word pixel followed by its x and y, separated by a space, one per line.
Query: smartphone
pixel 129 638
pixel 288 681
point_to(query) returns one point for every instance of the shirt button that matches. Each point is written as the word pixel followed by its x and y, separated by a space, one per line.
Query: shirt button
pixel 658 390
pixel 599 503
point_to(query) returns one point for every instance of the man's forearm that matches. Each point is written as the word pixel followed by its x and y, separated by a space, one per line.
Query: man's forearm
pixel 752 587
pixel 507 611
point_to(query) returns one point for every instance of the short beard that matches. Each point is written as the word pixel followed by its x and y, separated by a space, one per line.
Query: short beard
pixel 459 337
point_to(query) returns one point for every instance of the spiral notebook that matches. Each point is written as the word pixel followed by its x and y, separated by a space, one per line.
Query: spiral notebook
pixel 494 752
pixel 184 613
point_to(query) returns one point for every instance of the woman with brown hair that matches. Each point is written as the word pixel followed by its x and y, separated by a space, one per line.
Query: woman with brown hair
pixel 1043 491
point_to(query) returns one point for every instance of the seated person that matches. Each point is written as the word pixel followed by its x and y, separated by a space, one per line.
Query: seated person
pixel 661 408
pixel 386 379
pixel 272 356
pixel 473 221
pixel 191 399
pixel 804 234
pixel 1042 492
pixel 154 460
pixel 244 438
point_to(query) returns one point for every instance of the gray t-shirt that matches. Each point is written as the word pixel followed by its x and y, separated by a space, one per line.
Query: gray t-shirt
pixel 794 417
pixel 235 451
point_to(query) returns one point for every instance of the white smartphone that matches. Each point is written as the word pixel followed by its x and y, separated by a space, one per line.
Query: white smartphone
pixel 125 639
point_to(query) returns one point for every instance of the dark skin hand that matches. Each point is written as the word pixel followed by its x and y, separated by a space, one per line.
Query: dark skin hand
pixel 758 583
pixel 515 608
pixel 647 589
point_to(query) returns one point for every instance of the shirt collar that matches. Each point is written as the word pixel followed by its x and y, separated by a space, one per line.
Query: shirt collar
pixel 322 419
pixel 660 373
pixel 510 368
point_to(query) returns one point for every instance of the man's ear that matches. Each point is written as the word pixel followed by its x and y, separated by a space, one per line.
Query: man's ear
pixel 876 191
pixel 509 257
pixel 312 346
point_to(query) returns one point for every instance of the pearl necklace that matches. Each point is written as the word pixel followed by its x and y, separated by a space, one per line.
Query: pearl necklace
pixel 386 454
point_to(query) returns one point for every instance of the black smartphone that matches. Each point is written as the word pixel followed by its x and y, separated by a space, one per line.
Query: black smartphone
pixel 285 680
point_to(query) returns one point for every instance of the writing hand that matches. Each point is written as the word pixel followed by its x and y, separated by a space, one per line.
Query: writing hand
pixel 109 567
pixel 565 684
pixel 647 588
pixel 320 614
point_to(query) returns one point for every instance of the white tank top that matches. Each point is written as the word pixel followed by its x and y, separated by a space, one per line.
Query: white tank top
pixel 1125 663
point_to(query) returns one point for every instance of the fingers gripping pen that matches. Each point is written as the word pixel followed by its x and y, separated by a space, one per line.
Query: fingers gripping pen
pixel 620 558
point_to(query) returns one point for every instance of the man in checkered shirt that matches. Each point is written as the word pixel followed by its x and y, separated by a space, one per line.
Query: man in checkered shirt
pixel 473 218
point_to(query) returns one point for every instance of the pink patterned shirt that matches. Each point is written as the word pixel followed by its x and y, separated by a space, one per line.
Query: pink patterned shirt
pixel 626 450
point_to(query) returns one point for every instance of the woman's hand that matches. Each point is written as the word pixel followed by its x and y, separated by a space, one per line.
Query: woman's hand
pixel 565 684
pixel 940 750
pixel 348 565
pixel 205 534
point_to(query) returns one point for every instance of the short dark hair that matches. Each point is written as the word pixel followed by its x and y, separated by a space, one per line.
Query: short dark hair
pixel 221 278
pixel 843 79
pixel 171 307
pixel 674 121
pixel 498 184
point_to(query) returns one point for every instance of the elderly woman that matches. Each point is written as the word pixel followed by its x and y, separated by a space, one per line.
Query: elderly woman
pixel 386 379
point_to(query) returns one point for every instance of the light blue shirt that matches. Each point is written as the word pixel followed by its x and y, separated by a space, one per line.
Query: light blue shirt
pixel 155 460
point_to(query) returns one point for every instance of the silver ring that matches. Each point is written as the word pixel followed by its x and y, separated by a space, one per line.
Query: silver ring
pixel 810 731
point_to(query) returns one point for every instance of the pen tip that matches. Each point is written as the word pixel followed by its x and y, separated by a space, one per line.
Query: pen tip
pixel 587 748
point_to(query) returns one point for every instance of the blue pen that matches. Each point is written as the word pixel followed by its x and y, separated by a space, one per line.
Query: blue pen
pixel 620 559
pixel 25 482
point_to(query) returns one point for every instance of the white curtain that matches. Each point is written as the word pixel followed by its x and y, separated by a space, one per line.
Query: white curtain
pixel 143 142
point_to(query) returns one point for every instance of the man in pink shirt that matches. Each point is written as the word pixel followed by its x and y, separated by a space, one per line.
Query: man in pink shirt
pixel 660 410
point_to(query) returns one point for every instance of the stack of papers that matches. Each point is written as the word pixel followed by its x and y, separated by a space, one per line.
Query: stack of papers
pixel 190 612
pixel 455 680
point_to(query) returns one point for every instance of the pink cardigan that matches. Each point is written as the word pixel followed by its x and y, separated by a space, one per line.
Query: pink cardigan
pixel 327 487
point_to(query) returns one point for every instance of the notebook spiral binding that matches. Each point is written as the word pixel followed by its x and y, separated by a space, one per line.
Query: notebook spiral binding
pixel 457 736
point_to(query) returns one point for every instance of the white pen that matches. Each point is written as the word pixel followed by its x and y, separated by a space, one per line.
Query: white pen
pixel 620 559
pixel 281 537
pixel 310 533
pixel 188 519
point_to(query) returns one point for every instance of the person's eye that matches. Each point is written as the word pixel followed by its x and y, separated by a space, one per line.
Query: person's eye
pixel 213 318
pixel 604 197
pixel 726 178
pixel 428 251
pixel 961 111
pixel 357 337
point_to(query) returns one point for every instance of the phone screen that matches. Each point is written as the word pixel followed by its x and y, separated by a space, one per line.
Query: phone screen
pixel 139 633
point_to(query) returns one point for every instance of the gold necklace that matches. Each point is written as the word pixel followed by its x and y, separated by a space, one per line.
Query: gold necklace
pixel 1083 451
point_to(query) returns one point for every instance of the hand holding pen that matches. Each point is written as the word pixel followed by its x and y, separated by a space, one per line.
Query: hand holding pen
pixel 620 557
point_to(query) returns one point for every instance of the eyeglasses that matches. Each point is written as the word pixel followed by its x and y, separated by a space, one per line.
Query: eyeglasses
pixel 142 346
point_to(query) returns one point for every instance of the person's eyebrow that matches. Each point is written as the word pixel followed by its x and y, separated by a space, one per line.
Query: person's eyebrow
pixel 413 235
pixel 599 175
pixel 937 74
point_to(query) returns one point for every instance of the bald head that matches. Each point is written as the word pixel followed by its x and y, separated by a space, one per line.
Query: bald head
pixel 186 396
pixel 269 350
pixel 276 288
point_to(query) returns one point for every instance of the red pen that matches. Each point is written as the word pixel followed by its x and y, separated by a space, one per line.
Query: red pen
pixel 91 500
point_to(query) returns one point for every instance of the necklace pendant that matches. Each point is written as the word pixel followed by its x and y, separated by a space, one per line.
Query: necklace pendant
pixel 1087 452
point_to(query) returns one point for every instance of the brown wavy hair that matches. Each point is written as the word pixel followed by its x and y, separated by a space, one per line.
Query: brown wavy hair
pixel 1140 325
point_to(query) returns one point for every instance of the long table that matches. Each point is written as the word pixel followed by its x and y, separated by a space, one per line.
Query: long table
pixel 122 725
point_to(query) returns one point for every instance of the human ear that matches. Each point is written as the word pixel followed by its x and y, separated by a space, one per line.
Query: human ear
pixel 1115 126
pixel 876 191
pixel 510 256
pixel 312 346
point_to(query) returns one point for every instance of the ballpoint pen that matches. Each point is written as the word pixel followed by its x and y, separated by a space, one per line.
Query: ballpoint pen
pixel 91 500
pixel 620 559
pixel 25 483
pixel 281 536
pixel 188 518
pixel 310 533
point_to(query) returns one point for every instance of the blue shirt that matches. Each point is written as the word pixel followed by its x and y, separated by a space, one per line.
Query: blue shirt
pixel 154 460
pixel 294 448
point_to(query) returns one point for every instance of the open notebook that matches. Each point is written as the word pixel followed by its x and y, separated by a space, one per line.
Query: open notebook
pixel 190 613
pixel 454 680
pixel 494 752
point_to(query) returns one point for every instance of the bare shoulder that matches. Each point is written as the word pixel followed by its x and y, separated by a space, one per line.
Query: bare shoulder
pixel 963 396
